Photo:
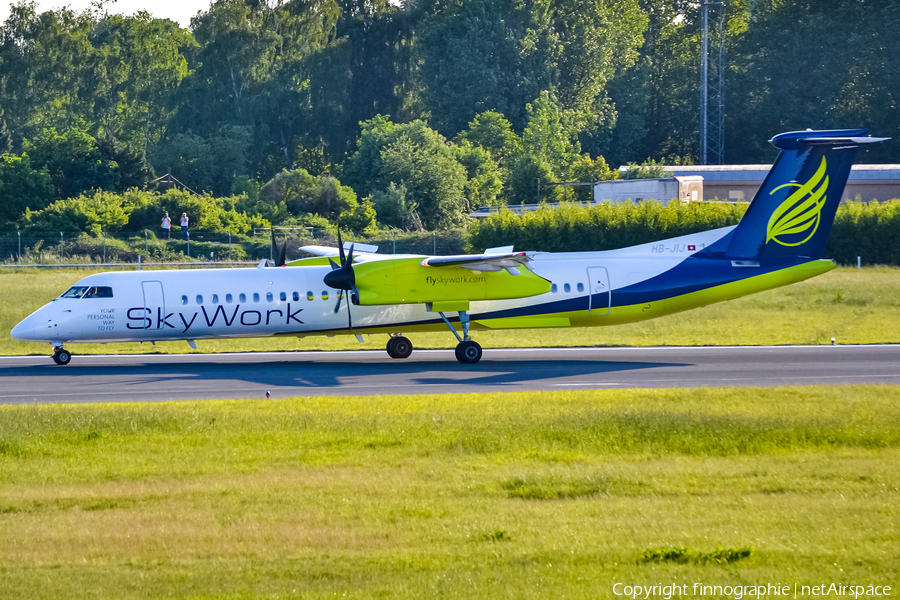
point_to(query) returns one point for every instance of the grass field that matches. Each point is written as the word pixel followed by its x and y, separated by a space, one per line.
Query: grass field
pixel 481 496
pixel 855 307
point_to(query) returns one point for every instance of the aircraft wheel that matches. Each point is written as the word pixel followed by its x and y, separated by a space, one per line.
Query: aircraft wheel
pixel 402 347
pixel 468 353
pixel 62 357
pixel 390 347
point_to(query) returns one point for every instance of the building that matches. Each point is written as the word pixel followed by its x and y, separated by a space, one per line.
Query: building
pixel 738 183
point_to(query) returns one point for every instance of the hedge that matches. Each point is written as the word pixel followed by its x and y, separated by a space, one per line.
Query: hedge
pixel 870 230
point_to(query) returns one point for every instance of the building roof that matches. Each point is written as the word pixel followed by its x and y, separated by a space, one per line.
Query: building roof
pixel 714 173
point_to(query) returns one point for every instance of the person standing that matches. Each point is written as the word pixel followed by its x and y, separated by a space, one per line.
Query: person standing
pixel 166 225
pixel 184 226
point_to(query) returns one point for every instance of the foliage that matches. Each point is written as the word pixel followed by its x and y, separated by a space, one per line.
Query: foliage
pixel 870 230
pixel 649 169
pixel 395 210
pixel 135 210
pixel 485 178
pixel 22 186
pixel 416 157
pixel 77 162
pixel 572 228
pixel 361 90
pixel 490 130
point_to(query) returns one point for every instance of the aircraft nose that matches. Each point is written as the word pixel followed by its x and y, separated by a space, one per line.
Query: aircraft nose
pixel 24 331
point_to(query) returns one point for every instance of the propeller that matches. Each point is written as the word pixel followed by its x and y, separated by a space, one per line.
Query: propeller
pixel 343 278
pixel 278 256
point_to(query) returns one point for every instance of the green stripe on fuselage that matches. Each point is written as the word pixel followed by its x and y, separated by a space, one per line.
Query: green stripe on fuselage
pixel 631 313
pixel 719 293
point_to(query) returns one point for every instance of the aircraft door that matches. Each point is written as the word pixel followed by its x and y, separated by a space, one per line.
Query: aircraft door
pixel 601 297
pixel 154 304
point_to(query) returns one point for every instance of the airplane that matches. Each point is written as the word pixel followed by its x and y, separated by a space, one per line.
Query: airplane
pixel 780 240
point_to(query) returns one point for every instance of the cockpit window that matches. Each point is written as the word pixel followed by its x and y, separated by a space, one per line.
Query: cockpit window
pixel 75 292
pixel 99 292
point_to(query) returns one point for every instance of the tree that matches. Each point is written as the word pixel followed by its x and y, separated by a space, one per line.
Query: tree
pixel 484 183
pixel 303 193
pixel 414 156
pixel 74 161
pixel 22 187
pixel 493 132
pixel 499 55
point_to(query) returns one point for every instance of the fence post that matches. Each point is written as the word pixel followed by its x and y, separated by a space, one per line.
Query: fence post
pixel 104 246
pixel 146 246
pixel 229 247
pixel 394 242
pixel 61 242
pixel 139 262
pixel 434 239
pixel 20 245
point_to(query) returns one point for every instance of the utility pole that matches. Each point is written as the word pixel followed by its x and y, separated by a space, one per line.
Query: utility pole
pixel 717 148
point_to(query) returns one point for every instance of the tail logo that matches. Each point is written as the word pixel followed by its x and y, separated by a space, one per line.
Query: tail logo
pixel 801 212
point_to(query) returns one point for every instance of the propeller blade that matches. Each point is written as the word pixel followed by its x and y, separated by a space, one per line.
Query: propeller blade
pixel 349 317
pixel 337 306
pixel 341 248
pixel 273 247
pixel 334 266
pixel 350 256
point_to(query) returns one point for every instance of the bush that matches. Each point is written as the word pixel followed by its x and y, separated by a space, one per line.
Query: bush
pixel 870 230
pixel 572 228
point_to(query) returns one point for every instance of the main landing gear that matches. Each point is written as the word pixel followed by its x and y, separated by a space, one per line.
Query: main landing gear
pixel 468 351
pixel 61 356
pixel 399 347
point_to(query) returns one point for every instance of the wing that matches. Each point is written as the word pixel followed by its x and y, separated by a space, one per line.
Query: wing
pixel 483 262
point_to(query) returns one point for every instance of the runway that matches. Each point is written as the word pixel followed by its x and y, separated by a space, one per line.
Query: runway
pixel 146 378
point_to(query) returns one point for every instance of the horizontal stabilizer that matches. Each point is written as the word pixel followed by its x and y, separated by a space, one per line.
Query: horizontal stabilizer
pixel 330 251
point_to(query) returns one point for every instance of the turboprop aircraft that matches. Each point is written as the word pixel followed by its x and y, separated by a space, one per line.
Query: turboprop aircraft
pixel 780 240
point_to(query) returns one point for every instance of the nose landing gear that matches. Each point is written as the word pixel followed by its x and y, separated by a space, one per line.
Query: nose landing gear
pixel 61 356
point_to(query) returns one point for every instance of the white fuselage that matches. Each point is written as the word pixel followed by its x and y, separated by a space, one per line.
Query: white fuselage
pixel 261 302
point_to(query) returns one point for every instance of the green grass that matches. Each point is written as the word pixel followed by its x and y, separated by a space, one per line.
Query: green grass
pixel 855 307
pixel 530 495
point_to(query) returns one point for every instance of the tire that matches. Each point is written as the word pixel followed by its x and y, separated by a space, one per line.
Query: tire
pixel 390 348
pixel 62 357
pixel 402 347
pixel 468 353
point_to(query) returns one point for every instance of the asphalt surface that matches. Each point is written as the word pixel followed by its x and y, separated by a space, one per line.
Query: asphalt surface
pixel 144 378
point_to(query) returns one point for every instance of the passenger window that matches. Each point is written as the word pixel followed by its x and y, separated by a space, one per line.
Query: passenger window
pixel 242 297
pixel 199 299
pixel 215 298
pixel 580 287
pixel 325 295
pixel 282 296
pixel 269 297
pixel 74 292
pixel 296 296
pixel 255 297
pixel 228 298
pixel 184 299
pixel 99 292
pixel 310 296
pixel 553 288
pixel 567 288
